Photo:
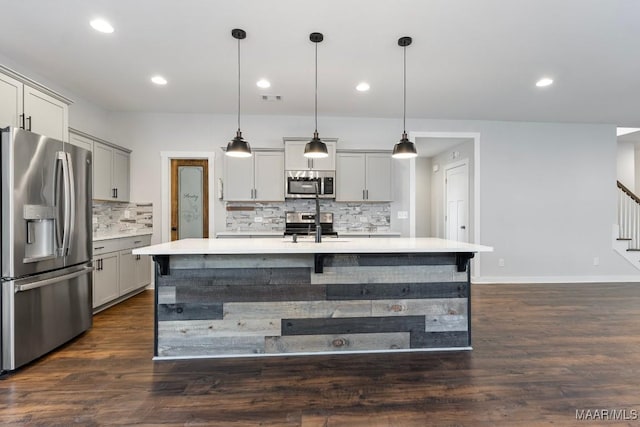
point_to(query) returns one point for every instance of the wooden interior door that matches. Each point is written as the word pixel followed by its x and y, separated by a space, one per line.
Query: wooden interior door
pixel 189 198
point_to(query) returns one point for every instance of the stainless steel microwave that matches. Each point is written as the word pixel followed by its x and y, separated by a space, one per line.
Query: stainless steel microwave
pixel 304 184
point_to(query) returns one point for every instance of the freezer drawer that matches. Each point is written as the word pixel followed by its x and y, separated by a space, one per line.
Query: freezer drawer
pixel 43 312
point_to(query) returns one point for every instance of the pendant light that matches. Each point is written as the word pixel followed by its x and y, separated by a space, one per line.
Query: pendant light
pixel 238 147
pixel 315 148
pixel 404 149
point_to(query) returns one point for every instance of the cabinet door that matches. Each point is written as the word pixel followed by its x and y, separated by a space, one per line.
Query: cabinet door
pixel 350 177
pixel 238 178
pixel 10 102
pixel 120 177
pixel 378 177
pixel 102 169
pixel 81 141
pixel 105 279
pixel 269 176
pixel 45 114
pixel 143 270
pixel 294 156
pixel 128 279
pixel 328 163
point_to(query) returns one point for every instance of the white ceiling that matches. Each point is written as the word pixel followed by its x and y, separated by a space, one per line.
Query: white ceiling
pixel 470 59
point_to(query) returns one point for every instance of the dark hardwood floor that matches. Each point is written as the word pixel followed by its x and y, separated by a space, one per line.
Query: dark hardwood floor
pixel 541 352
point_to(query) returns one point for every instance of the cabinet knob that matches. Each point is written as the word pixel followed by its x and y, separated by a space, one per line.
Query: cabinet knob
pixel 174 228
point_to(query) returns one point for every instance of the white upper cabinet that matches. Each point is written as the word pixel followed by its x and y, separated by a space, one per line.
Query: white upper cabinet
pixel 80 141
pixel 46 115
pixel 362 176
pixel 110 173
pixel 256 178
pixel 10 101
pixel 295 160
pixel 25 104
pixel 269 176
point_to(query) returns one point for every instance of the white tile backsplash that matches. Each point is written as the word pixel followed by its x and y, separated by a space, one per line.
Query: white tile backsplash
pixel 346 216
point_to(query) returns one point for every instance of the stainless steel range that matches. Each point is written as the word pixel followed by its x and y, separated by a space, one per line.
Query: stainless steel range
pixel 303 223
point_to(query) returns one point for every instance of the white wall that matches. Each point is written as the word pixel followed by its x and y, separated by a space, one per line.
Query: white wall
pixel 626 172
pixel 548 196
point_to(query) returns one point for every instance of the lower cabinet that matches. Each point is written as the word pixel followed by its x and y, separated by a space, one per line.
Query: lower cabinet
pixel 117 272
pixel 105 279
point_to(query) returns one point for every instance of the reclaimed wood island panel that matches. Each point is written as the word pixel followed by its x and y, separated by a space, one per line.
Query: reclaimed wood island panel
pixel 239 298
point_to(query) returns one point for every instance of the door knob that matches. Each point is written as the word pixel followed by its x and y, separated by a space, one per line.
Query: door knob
pixel 463 227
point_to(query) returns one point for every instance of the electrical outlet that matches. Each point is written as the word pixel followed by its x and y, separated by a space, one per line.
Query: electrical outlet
pixel 94 220
pixel 403 214
pixel 127 214
pixel 363 219
pixel 501 262
pixel 596 261
pixel 257 219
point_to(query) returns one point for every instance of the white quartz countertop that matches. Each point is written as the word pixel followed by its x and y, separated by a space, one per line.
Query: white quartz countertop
pixel 328 245
pixel 121 235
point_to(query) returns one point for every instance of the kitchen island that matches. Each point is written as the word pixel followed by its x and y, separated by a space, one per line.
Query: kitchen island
pixel 239 298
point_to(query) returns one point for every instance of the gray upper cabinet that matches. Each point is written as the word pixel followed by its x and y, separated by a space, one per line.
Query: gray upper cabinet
pixel 295 160
pixel 258 178
pixel 110 173
pixel 362 176
pixel 25 104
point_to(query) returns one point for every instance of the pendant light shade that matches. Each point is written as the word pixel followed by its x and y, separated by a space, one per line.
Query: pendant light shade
pixel 238 147
pixel 316 149
pixel 404 149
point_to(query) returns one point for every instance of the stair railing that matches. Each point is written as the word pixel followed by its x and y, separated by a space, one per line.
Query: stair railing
pixel 628 216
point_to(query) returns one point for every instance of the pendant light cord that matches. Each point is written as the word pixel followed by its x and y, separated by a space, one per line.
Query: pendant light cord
pixel 238 85
pixel 316 103
pixel 404 111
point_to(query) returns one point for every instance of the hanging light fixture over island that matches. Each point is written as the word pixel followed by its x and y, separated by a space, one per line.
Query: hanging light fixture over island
pixel 404 149
pixel 315 148
pixel 238 147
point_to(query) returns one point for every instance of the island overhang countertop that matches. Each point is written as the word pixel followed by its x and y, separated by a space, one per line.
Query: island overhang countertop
pixel 274 297
pixel 304 246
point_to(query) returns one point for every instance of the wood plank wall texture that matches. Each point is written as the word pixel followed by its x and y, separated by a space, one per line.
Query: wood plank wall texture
pixel 241 305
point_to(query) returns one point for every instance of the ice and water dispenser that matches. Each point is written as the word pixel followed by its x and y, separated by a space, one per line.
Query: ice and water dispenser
pixel 40 241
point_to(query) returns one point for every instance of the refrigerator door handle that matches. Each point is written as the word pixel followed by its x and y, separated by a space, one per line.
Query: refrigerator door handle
pixel 45 282
pixel 58 189
pixel 72 202
pixel 62 156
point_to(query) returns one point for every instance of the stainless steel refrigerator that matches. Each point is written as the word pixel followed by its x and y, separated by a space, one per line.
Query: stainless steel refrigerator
pixel 46 245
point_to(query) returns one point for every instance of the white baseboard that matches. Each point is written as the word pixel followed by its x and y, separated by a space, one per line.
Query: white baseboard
pixel 556 279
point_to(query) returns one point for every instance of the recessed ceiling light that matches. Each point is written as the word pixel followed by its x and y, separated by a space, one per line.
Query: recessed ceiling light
pixel 101 25
pixel 263 83
pixel 544 82
pixel 363 87
pixel 159 80
pixel 625 131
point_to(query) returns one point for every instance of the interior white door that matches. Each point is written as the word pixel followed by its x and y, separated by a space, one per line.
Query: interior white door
pixel 457 203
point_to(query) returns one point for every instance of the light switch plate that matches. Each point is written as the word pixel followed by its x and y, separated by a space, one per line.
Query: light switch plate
pixel 403 214
pixel 363 219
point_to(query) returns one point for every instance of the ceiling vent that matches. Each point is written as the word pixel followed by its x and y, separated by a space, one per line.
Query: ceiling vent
pixel 271 98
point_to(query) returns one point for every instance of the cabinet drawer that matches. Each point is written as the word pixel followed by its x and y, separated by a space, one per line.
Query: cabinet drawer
pixel 105 246
pixel 120 243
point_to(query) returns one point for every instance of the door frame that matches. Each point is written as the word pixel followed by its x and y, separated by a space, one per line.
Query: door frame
pixel 476 187
pixel 446 168
pixel 165 187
